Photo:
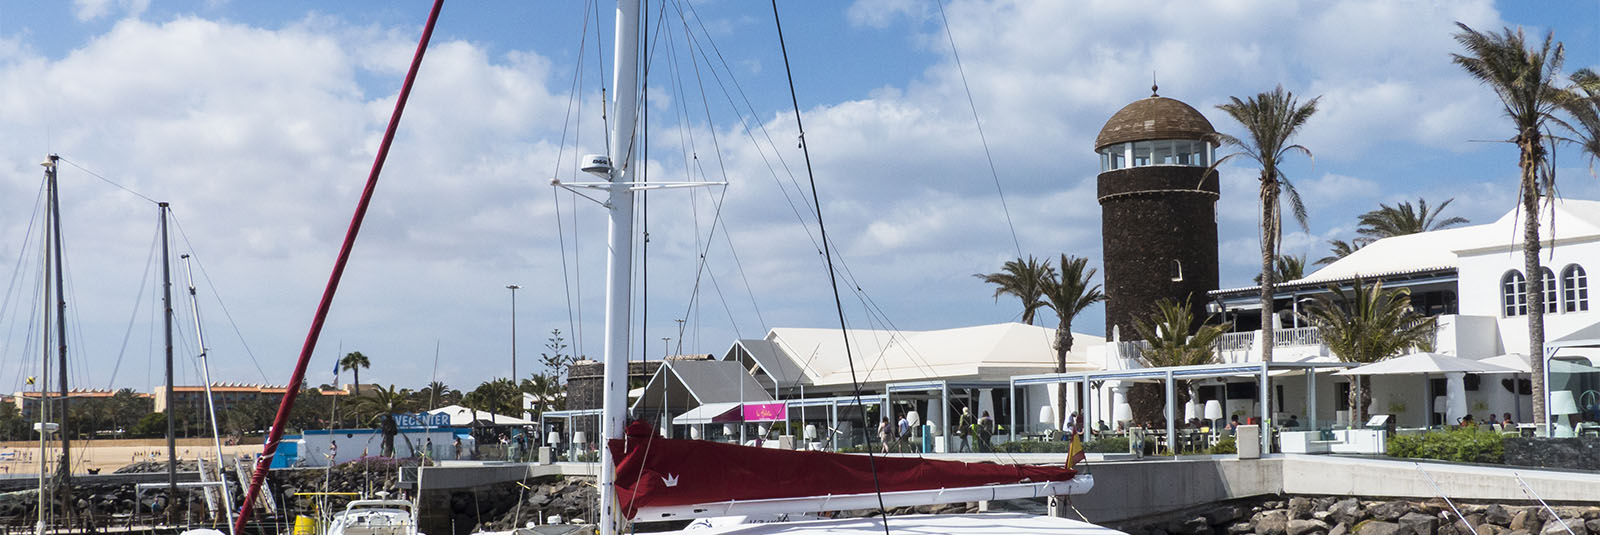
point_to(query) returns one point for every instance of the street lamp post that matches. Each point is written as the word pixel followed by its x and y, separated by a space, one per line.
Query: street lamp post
pixel 513 289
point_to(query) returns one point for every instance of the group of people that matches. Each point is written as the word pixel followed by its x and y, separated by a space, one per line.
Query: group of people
pixel 1505 423
pixel 974 434
pixel 519 445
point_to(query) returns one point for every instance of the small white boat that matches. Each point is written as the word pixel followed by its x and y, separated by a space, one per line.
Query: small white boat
pixel 375 517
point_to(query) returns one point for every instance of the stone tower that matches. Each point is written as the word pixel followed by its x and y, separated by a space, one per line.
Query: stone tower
pixel 1157 209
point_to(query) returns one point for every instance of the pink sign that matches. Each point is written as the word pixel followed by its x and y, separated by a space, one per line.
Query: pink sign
pixel 766 412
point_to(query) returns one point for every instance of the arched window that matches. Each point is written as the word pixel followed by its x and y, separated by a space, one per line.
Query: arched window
pixel 1549 280
pixel 1513 294
pixel 1575 286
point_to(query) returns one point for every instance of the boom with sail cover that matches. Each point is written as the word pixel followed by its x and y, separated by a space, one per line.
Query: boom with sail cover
pixel 658 474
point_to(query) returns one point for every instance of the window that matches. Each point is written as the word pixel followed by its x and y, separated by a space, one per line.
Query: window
pixel 1575 289
pixel 1513 294
pixel 1549 280
pixel 1141 153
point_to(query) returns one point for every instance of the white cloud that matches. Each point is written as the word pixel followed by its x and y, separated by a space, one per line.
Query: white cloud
pixel 94 9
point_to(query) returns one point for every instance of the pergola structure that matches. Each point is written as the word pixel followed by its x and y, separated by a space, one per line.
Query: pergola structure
pixel 943 388
pixel 1261 371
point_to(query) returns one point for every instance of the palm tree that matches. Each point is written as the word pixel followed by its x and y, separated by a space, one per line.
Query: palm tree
pixel 1067 294
pixel 354 362
pixel 1022 278
pixel 1402 219
pixel 1288 268
pixel 1583 103
pixel 1270 120
pixel 1341 249
pixel 1366 325
pixel 1167 330
pixel 1523 77
pixel 383 404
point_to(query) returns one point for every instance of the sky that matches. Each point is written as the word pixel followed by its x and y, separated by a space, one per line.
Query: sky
pixel 258 122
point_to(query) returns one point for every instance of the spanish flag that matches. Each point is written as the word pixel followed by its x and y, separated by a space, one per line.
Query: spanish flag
pixel 1075 451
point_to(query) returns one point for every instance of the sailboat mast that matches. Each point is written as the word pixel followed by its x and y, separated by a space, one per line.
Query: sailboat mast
pixel 166 318
pixel 61 337
pixel 620 255
pixel 205 378
pixel 42 384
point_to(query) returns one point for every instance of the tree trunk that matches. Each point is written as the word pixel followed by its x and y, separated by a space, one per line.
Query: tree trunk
pixel 1535 275
pixel 1063 346
pixel 1269 249
pixel 1361 401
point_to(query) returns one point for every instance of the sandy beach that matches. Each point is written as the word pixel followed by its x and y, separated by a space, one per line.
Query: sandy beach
pixel 106 456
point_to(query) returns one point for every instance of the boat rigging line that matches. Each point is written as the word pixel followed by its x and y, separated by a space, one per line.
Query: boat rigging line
pixel 838 305
pixel 293 387
pixel 956 53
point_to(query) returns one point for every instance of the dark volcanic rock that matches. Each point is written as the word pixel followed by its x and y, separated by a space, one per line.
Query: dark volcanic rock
pixel 1274 522
pixel 1299 508
pixel 1389 511
pixel 1419 524
pixel 1378 527
pixel 1347 511
pixel 1307 527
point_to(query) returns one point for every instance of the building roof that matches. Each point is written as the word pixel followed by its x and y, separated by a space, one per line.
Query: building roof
pixel 1154 117
pixel 980 352
pixel 1440 250
pixel 712 381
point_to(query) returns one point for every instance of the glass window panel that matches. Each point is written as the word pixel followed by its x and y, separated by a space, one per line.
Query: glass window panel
pixel 1513 296
pixel 1575 289
pixel 1548 284
pixel 1141 153
pixel 1161 152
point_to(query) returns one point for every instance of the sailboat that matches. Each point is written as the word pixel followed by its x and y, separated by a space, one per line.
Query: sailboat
pixel 645 477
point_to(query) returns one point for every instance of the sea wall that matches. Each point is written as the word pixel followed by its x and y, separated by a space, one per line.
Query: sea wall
pixel 1581 453
pixel 1337 515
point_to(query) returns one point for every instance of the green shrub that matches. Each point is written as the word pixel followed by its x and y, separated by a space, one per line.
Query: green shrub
pixel 1034 446
pixel 1225 445
pixel 1108 445
pixel 1466 445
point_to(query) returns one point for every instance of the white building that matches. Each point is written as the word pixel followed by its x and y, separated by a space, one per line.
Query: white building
pixel 1471 279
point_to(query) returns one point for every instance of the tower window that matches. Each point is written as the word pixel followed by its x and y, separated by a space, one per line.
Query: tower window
pixel 1513 294
pixel 1575 289
pixel 1185 152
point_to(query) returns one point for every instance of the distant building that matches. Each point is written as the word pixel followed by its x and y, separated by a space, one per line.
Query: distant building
pixel 28 402
pixel 226 395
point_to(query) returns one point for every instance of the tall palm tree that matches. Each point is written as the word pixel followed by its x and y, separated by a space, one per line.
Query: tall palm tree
pixel 1583 103
pixel 355 361
pixel 1368 324
pixel 1168 331
pixel 1022 278
pixel 1402 219
pixel 1068 294
pixel 382 405
pixel 1523 75
pixel 1341 249
pixel 1288 268
pixel 1270 120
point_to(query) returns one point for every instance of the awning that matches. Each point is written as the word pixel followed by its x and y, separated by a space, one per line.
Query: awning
pixel 711 413
pixel 1519 362
pixel 1426 363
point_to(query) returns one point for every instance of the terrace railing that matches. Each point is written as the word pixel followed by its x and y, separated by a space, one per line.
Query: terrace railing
pixel 1298 336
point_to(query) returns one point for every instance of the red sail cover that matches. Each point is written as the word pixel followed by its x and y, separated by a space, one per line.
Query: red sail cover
pixel 657 471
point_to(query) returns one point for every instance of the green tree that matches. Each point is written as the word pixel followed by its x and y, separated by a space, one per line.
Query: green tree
pixel 1583 103
pixel 1288 268
pixel 1270 120
pixel 1339 249
pixel 499 396
pixel 151 425
pixel 1023 278
pixel 355 361
pixel 1068 293
pixel 380 407
pixel 555 358
pixel 1523 75
pixel 1173 341
pixel 1403 218
pixel 1367 324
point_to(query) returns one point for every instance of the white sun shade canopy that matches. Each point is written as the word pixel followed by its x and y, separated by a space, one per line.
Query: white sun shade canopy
pixel 1426 363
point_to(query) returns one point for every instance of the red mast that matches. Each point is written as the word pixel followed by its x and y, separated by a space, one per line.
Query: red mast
pixel 293 388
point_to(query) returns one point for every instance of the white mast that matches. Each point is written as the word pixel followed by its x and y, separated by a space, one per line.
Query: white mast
pixel 211 407
pixel 619 255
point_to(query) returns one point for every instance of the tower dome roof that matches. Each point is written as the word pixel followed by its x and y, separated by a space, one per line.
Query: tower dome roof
pixel 1154 117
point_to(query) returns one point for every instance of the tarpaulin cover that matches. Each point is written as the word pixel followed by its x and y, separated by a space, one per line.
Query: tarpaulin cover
pixel 657 471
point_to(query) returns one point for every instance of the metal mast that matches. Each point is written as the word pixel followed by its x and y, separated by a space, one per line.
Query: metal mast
pixel 211 407
pixel 65 469
pixel 619 254
pixel 166 317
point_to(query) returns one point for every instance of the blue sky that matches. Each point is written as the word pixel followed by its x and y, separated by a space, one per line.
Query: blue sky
pixel 258 120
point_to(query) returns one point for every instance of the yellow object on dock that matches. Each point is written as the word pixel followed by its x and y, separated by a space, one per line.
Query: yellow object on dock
pixel 305 525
